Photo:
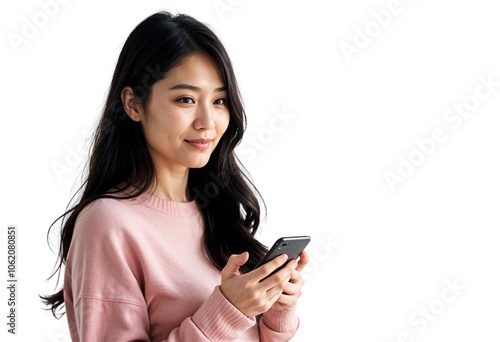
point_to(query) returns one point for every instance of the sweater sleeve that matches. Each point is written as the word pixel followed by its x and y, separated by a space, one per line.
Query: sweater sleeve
pixel 278 325
pixel 104 296
pixel 112 320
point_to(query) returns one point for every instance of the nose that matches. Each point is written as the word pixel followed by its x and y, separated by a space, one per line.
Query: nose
pixel 204 117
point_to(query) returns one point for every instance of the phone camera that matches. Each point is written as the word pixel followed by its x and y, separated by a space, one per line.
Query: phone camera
pixel 283 245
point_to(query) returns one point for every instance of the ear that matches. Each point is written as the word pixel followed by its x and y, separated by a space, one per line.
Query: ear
pixel 130 104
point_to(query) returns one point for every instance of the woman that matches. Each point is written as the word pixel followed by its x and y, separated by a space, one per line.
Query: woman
pixel 161 245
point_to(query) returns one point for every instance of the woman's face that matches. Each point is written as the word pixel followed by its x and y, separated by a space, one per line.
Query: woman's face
pixel 187 114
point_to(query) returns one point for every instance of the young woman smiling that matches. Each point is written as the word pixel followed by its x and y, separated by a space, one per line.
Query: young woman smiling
pixel 144 257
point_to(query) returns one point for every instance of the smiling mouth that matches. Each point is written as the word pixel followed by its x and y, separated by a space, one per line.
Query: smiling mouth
pixel 200 144
pixel 199 141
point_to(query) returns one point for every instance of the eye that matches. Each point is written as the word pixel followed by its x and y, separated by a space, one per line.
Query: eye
pixel 185 100
pixel 220 101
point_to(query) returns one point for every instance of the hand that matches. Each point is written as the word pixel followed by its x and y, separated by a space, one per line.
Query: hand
pixel 293 289
pixel 246 292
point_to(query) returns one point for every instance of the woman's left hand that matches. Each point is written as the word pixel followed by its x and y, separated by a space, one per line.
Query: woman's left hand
pixel 293 289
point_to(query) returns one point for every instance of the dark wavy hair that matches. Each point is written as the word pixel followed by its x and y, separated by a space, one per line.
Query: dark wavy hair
pixel 119 157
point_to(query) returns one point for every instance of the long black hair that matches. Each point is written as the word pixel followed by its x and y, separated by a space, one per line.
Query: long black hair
pixel 119 156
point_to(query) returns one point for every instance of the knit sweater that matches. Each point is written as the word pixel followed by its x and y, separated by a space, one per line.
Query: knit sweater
pixel 137 270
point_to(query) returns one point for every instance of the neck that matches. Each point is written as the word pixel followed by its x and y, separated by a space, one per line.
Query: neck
pixel 170 183
pixel 172 186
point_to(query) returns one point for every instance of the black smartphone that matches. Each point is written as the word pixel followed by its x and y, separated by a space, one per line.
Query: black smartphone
pixel 292 246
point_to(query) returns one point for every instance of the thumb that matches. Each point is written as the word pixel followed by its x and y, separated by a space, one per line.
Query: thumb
pixel 234 263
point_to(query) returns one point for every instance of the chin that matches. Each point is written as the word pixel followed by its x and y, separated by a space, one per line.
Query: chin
pixel 198 164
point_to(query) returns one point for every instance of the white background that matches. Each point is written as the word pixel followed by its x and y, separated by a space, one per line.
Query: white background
pixel 379 255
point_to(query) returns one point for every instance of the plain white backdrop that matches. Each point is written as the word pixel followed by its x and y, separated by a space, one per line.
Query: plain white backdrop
pixel 372 127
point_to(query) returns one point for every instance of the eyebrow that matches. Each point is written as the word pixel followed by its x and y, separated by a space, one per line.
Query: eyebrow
pixel 194 88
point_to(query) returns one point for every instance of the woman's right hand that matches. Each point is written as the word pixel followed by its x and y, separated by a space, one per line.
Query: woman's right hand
pixel 246 292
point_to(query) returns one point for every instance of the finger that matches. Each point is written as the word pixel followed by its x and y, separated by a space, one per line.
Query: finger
pixel 304 259
pixel 282 276
pixel 274 298
pixel 234 262
pixel 269 267
pixel 292 289
pixel 295 277
pixel 287 300
pixel 278 289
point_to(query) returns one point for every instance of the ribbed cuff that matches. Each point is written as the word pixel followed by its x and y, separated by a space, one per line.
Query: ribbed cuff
pixel 220 320
pixel 281 320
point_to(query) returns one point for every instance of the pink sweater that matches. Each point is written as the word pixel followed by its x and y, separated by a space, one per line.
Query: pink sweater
pixel 137 270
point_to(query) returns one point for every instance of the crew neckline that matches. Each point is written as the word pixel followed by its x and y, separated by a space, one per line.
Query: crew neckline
pixel 184 209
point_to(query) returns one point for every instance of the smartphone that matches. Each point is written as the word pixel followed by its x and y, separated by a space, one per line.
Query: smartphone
pixel 292 246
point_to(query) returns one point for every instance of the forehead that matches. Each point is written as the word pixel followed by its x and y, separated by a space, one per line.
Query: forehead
pixel 198 70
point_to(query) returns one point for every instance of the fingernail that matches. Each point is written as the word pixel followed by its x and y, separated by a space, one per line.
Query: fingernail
pixel 284 257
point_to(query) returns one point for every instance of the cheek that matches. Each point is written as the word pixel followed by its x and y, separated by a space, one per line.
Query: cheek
pixel 223 124
pixel 169 125
pixel 174 125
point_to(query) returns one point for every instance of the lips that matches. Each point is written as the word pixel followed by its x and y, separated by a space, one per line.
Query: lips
pixel 200 144
pixel 199 141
